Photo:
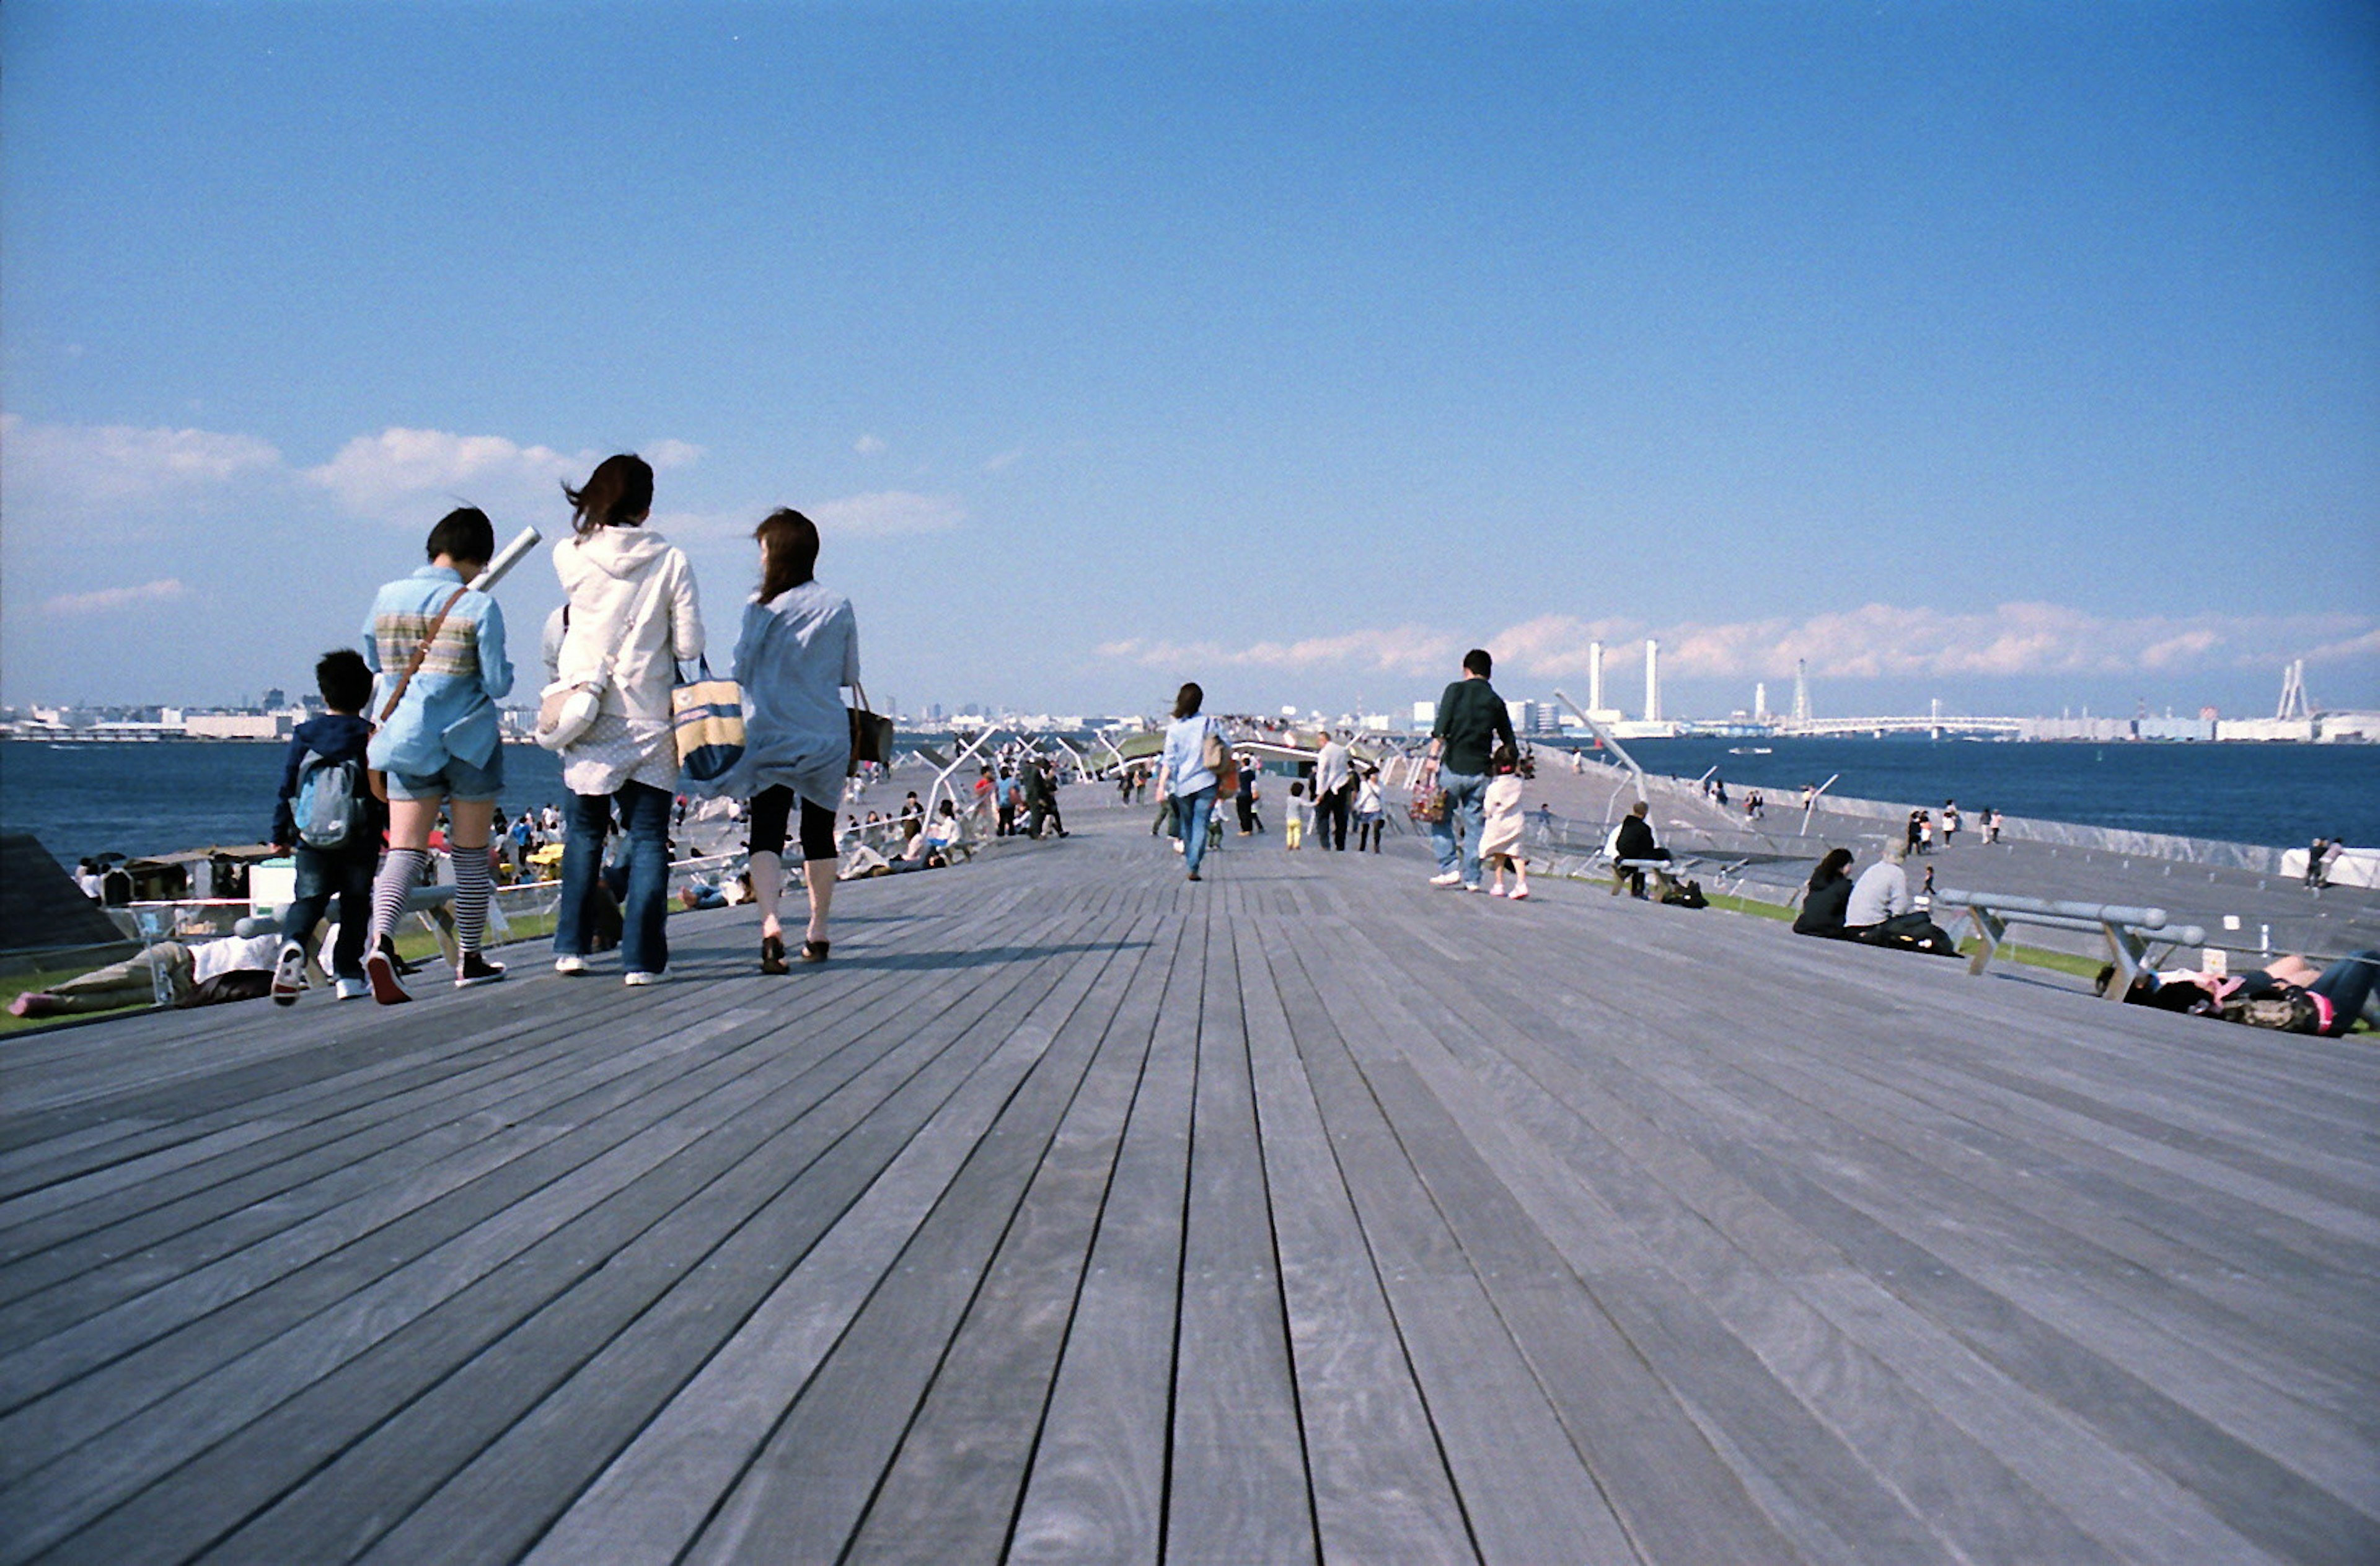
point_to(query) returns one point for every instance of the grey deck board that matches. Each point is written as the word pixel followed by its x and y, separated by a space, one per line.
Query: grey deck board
pixel 1237 1490
pixel 1075 1213
pixel 951 1491
pixel 1381 1489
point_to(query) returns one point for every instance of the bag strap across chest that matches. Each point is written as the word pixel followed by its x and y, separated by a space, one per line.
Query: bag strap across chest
pixel 413 666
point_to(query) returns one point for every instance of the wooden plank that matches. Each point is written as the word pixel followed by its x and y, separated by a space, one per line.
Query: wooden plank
pixel 564 1397
pixel 641 1239
pixel 658 1493
pixel 1380 1485
pixel 1096 1490
pixel 952 1488
pixel 803 1492
pixel 1236 1487
pixel 1527 1492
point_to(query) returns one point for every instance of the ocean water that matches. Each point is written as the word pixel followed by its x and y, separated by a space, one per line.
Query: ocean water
pixel 155 798
pixel 2280 795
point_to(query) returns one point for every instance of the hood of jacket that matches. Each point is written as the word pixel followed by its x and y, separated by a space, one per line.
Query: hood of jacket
pixel 621 553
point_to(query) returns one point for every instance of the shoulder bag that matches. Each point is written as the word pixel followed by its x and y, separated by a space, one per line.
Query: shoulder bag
pixel 380 778
pixel 707 718
pixel 872 736
pixel 567 709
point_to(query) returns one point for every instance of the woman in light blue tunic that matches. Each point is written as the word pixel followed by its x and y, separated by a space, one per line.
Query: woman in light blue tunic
pixel 1184 778
pixel 799 648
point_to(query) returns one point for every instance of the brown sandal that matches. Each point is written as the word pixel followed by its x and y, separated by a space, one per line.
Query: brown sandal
pixel 773 954
pixel 813 951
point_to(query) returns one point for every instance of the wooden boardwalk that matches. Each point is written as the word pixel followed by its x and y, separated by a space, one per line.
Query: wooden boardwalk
pixel 1077 1214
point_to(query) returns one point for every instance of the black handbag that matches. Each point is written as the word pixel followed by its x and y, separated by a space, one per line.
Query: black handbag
pixel 872 736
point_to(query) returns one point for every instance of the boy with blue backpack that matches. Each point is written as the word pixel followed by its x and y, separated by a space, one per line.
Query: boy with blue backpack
pixel 327 818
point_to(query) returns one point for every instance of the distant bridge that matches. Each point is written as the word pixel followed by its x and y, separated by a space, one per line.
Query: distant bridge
pixel 1903 725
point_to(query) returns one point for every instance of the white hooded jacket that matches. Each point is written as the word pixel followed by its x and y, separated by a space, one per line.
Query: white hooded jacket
pixel 606 576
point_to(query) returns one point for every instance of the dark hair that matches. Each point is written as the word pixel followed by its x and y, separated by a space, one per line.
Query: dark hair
pixel 1187 700
pixel 1505 760
pixel 789 546
pixel 1835 866
pixel 1477 662
pixel 617 495
pixel 345 680
pixel 464 533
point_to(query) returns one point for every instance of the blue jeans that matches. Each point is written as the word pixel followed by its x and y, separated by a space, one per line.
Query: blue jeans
pixel 1466 800
pixel 1190 813
pixel 643 935
pixel 2346 983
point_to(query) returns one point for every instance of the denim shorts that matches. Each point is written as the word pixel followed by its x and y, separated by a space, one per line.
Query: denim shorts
pixel 458 781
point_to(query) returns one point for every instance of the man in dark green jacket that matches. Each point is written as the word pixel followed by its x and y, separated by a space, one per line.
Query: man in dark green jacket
pixel 1471 719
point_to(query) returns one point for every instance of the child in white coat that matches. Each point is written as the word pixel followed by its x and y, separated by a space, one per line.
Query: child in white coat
pixel 1500 840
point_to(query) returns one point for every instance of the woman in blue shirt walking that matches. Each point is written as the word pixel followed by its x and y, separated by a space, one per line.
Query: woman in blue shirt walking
pixel 438 648
pixel 1183 775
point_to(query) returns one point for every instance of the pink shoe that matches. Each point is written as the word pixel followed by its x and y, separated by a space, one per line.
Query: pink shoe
pixel 1521 895
pixel 1495 891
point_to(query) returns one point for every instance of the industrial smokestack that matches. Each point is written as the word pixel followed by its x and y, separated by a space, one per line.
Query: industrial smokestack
pixel 1595 676
pixel 1651 681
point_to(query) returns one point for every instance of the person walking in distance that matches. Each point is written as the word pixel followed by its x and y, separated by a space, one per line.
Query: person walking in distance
pixel 633 617
pixel 439 648
pixel 1186 773
pixel 1471 720
pixel 799 648
pixel 1370 819
pixel 1331 786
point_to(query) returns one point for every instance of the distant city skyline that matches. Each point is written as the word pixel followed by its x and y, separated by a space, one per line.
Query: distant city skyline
pixel 2025 358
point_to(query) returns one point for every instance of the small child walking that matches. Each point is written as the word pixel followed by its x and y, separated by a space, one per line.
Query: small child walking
pixel 1499 838
pixel 336 847
pixel 1300 811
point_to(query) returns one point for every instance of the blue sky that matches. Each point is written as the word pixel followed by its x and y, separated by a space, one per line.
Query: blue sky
pixel 2024 356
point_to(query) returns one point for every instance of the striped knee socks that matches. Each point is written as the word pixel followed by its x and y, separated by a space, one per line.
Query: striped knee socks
pixel 471 890
pixel 400 872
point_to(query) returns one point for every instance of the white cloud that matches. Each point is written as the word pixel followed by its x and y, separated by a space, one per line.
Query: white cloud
pixel 886 513
pixel 120 463
pixel 1003 459
pixel 107 600
pixel 1875 642
pixel 869 445
pixel 399 475
pixel 407 475
pixel 666 454
pixel 1406 650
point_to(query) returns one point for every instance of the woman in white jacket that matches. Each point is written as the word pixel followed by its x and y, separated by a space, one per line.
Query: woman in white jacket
pixel 632 617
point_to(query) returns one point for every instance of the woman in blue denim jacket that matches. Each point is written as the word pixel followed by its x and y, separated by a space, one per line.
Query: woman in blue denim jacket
pixel 438 741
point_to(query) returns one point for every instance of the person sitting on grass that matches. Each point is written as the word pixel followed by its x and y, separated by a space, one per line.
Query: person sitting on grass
pixel 1828 897
pixel 1882 913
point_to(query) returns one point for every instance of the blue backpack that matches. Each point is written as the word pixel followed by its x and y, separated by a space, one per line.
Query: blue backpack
pixel 330 807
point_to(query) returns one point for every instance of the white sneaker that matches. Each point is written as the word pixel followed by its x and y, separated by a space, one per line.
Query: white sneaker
pixel 571 966
pixel 640 979
pixel 1450 878
pixel 288 974
pixel 1473 886
pixel 352 990
pixel 1177 845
